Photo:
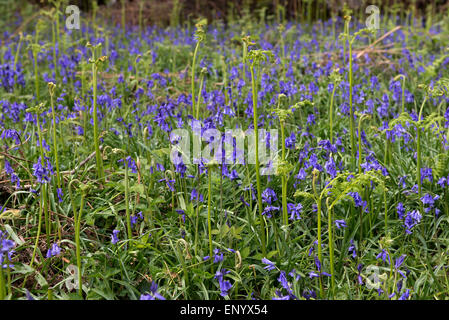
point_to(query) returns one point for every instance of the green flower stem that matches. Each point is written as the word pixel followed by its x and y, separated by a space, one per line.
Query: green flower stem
pixel 50 294
pixel 98 156
pixel 53 39
pixel 197 216
pixel 39 228
pixel 403 94
pixel 192 79
pixel 183 260
pixel 78 245
pixel 85 113
pixel 281 28
pixel 318 203
pixel 77 221
pixel 418 155
pixel 209 198
pixel 256 136
pixel 360 141
pixel 331 111
pixel 388 152
pixel 391 273
pixel 284 178
pixel 244 54
pixel 36 75
pixel 225 79
pixel 220 213
pixel 8 274
pixel 2 285
pixel 16 57
pixel 55 145
pixel 199 96
pixel 44 185
pixel 418 166
pixel 351 108
pixel 346 31
pixel 128 218
pixel 319 242
pixel 331 246
pixel 386 210
pixel 58 36
pixel 249 200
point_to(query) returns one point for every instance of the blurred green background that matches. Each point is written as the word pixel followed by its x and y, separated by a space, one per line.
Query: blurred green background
pixel 182 12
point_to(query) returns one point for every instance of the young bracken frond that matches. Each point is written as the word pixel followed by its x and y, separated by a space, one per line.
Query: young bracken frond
pixel 340 186
pixel 441 167
pixel 234 157
pixel 304 194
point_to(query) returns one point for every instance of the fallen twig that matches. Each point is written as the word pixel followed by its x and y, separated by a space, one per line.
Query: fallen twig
pixel 361 53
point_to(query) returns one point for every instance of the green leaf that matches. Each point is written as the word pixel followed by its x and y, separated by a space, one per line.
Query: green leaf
pixel 245 252
pixel 13 235
pixel 41 280
pixel 138 188
pixel 304 194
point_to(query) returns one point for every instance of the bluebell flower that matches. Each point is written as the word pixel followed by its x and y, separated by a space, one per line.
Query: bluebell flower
pixel 283 281
pixel 195 195
pixel 28 295
pixel 60 194
pixel 269 264
pixel 312 247
pixel 14 177
pixel 6 250
pixel 359 271
pixel 269 196
pixel 54 251
pixel 412 218
pixel 358 200
pixel 309 294
pixel 131 163
pixel 352 249
pixel 340 224
pixel 43 173
pixel 170 183
pixel 294 275
pixel 294 211
pixel 290 141
pixel 426 173
pixel 383 255
pixel 218 256
pixel 320 272
pixel 405 295
pixel 400 210
pixel 331 168
pixel 153 295
pixel 268 210
pixel 182 213
pixel 442 182
pixel 328 146
pixel 114 236
pixel 286 285
pixel 398 263
pixel 279 296
pixel 399 285
pixel 225 285
pixel 135 218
